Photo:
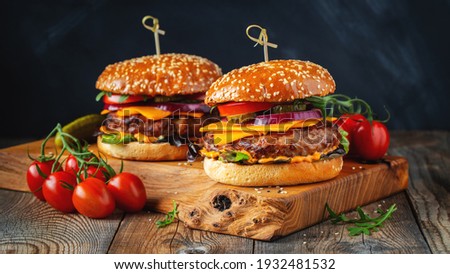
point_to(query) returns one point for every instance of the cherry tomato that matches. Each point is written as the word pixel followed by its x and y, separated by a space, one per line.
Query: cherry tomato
pixel 95 172
pixel 236 108
pixel 371 141
pixel 71 165
pixel 92 199
pixel 349 122
pixel 118 99
pixel 35 180
pixel 128 191
pixel 58 189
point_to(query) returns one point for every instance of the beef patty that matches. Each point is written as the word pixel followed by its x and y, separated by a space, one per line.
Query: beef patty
pixel 295 142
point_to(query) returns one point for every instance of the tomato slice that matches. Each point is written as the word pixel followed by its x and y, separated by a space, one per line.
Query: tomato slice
pixel 236 108
pixel 122 99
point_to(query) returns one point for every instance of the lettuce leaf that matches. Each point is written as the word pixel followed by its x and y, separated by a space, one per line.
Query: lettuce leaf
pixel 233 157
pixel 344 141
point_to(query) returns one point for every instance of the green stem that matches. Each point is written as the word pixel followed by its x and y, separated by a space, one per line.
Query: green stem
pixel 42 157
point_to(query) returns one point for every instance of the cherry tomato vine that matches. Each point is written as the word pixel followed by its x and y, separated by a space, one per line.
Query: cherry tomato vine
pixel 83 184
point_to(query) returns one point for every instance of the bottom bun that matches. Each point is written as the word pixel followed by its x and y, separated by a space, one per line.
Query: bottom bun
pixel 272 174
pixel 143 151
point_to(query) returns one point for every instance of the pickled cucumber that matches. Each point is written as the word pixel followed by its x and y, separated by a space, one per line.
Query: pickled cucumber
pixel 82 128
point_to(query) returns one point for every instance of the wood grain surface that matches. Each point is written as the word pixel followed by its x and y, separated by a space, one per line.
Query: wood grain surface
pixel 330 238
pixel 257 213
pixel 420 225
pixel 429 156
pixel 30 226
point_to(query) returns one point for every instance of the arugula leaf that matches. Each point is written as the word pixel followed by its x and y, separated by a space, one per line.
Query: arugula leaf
pixel 117 138
pixel 100 96
pixel 123 97
pixel 170 217
pixel 344 141
pixel 365 224
pixel 233 156
pixel 341 104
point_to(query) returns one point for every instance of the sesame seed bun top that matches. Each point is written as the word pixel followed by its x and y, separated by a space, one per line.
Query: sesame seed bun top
pixel 167 74
pixel 272 81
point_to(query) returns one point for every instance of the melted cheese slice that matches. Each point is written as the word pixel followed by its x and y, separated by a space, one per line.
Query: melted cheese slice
pixel 147 112
pixel 225 137
pixel 151 112
pixel 225 126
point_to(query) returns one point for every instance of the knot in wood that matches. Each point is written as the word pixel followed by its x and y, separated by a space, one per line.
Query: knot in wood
pixel 221 202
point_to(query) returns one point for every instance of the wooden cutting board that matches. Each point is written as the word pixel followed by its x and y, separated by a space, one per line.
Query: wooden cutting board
pixel 258 213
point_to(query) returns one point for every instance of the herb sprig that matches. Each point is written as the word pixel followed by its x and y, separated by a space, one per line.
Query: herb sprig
pixel 365 224
pixel 170 217
pixel 342 104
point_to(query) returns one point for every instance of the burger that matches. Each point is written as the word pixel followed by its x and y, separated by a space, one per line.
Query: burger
pixel 154 106
pixel 270 132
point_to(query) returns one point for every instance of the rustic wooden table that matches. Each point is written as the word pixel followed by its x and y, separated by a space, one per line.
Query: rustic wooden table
pixel 420 225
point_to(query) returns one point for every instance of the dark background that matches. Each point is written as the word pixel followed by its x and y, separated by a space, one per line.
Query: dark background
pixel 389 53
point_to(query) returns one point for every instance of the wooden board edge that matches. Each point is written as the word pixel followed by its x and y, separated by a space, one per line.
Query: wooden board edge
pixel 267 219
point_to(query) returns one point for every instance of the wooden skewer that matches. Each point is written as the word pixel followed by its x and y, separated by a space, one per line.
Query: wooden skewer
pixel 262 40
pixel 155 29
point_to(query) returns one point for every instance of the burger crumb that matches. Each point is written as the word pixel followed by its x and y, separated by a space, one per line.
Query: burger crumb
pixel 259 192
pixel 353 167
pixel 360 167
pixel 176 192
pixel 185 164
pixel 179 164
